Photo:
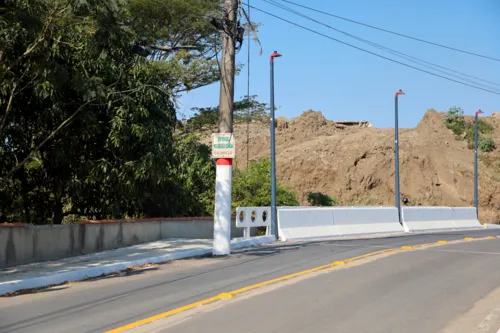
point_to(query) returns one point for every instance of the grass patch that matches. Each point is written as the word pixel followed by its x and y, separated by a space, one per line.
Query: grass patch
pixel 366 200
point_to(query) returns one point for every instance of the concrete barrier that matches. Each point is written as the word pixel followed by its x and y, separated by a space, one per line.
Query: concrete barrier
pixel 249 217
pixel 23 243
pixel 428 218
pixel 465 217
pixel 366 220
pixel 306 223
pixel 314 223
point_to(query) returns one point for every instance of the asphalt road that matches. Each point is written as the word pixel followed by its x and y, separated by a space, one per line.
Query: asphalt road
pixel 411 292
pixel 418 291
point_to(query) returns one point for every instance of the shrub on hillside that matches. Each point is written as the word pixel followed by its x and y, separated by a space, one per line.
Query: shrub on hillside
pixel 320 199
pixel 484 127
pixel 486 144
pixel 455 120
pixel 463 130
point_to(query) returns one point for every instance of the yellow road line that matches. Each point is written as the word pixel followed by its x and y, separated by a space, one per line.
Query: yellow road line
pixel 371 254
pixel 282 278
pixel 232 294
pixel 164 315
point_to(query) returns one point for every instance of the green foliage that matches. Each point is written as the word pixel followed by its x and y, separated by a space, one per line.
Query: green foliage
pixel 204 117
pixel 248 108
pixel 252 187
pixel 484 127
pixel 195 173
pixel 86 125
pixel 319 199
pixel 486 144
pixel 455 121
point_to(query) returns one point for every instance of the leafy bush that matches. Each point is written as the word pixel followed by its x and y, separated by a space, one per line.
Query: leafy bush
pixel 320 199
pixel 252 187
pixel 484 127
pixel 463 130
pixel 455 120
pixel 486 144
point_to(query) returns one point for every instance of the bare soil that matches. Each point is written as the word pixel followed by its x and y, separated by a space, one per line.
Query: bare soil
pixel 356 163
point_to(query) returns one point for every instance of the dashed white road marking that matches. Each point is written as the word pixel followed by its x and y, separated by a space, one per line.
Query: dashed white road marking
pixel 466 252
pixel 491 320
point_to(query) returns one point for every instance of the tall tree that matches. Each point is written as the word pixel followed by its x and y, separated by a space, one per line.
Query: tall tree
pixel 246 109
pixel 86 125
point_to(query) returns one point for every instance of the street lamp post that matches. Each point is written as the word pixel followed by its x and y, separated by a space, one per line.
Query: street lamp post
pixel 274 217
pixel 396 152
pixel 476 178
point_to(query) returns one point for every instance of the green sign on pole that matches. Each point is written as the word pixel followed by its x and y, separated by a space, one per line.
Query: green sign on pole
pixel 223 145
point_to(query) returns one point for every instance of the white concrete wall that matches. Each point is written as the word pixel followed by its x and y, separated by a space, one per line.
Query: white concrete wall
pixel 27 243
pixel 352 221
pixel 439 218
pixel 306 223
pixel 316 223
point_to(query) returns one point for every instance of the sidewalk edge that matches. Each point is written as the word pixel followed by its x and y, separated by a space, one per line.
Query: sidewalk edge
pixel 92 272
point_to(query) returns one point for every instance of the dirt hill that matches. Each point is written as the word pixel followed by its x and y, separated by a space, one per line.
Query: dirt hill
pixel 356 163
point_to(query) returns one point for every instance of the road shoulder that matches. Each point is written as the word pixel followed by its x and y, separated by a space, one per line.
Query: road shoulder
pixel 482 317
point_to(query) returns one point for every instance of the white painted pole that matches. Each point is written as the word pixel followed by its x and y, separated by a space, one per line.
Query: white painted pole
pixel 222 214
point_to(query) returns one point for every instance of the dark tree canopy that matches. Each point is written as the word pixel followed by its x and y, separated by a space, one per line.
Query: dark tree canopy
pixel 87 126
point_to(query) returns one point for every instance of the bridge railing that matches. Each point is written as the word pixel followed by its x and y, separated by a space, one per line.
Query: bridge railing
pixel 253 217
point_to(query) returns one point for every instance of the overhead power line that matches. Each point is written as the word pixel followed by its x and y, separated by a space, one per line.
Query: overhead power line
pixel 372 53
pixel 393 32
pixel 248 83
pixel 392 51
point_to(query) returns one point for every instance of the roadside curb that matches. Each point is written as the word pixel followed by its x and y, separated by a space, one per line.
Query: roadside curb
pixel 491 226
pixel 93 272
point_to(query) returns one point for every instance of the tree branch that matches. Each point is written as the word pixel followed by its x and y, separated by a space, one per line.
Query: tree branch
pixel 55 15
pixel 7 110
pixel 174 48
pixel 41 144
pixel 194 87
pixel 65 124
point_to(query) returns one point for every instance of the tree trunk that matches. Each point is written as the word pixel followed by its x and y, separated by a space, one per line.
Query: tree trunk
pixel 24 194
pixel 58 206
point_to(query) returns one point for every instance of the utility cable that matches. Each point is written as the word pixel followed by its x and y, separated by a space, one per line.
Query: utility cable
pixel 372 53
pixel 393 32
pixel 392 51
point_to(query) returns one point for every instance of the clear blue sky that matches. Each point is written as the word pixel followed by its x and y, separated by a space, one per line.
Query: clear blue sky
pixel 347 84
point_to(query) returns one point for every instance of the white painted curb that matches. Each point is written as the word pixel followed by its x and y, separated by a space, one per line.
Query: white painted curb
pixel 240 243
pixel 92 272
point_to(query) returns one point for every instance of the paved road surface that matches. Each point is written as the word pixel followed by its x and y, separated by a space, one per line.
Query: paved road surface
pixel 388 292
pixel 411 292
